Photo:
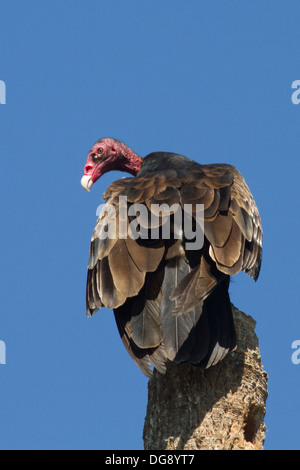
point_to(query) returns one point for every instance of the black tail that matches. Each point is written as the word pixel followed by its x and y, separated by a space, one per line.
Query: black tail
pixel 214 334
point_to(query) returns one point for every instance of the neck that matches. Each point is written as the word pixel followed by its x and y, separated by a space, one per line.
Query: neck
pixel 131 162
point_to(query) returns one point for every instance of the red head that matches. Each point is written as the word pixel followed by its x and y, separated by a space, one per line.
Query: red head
pixel 107 155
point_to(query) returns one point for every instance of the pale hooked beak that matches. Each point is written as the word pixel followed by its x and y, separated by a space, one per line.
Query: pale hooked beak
pixel 86 182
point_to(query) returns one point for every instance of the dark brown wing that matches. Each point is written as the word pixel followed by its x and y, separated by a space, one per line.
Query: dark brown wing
pixel 117 265
pixel 235 234
pixel 232 228
pixel 161 290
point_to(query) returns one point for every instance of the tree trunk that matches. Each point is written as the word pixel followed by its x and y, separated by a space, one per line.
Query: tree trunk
pixel 221 408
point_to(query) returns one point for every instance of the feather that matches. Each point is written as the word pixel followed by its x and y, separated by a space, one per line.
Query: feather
pixel 110 296
pixel 140 357
pixel 145 311
pixel 193 288
pixel 221 325
pixel 175 330
pixel 126 277
pixel 229 254
pixel 138 323
pixel 218 231
pixel 242 219
pixel 146 259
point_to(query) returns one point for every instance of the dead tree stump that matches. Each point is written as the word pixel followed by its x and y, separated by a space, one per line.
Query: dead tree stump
pixel 221 408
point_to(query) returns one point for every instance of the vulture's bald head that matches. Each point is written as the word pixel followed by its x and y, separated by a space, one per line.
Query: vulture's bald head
pixel 107 155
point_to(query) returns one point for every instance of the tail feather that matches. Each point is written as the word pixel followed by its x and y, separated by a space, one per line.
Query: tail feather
pixel 219 326
pixel 176 329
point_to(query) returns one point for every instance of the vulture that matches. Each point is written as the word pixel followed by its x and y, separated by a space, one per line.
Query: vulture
pixel 168 290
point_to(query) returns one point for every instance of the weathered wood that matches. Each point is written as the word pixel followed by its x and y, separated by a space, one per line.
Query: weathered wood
pixel 222 408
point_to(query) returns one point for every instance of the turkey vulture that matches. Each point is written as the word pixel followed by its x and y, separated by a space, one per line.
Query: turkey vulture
pixel 170 301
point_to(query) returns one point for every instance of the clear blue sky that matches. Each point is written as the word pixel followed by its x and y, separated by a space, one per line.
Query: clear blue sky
pixel 209 79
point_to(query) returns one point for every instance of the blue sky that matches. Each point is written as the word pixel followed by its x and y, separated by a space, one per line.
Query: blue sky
pixel 208 79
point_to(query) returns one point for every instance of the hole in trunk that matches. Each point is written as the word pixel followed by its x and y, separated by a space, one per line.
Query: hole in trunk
pixel 252 424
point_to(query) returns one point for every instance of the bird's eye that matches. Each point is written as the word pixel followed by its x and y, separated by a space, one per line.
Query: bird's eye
pixel 98 155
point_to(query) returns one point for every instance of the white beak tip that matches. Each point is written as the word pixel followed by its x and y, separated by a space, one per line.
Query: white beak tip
pixel 86 183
